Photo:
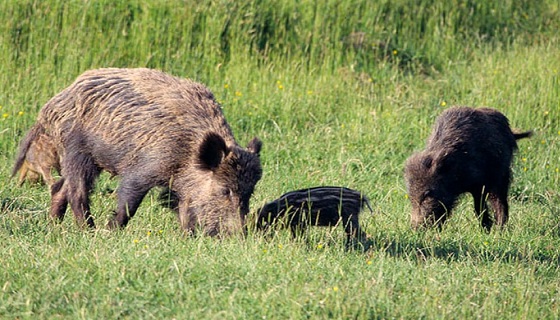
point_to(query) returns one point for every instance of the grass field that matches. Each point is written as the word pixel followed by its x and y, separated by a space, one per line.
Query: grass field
pixel 341 93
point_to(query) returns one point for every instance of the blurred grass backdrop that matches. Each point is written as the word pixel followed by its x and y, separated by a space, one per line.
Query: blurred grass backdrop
pixel 341 93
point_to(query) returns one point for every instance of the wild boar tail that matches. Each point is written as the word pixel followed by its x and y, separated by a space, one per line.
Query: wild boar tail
pixel 365 201
pixel 522 135
pixel 24 145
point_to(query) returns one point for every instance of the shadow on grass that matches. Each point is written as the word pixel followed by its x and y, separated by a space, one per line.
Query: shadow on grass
pixel 422 251
pixel 21 217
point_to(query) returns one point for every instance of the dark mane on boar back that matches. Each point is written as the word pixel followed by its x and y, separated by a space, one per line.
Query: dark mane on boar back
pixel 152 130
pixel 469 150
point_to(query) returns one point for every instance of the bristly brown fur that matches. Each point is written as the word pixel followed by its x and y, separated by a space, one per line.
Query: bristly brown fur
pixel 151 129
pixel 469 150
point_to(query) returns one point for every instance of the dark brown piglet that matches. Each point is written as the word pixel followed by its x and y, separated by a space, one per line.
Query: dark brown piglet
pixel 150 129
pixel 469 150
pixel 318 206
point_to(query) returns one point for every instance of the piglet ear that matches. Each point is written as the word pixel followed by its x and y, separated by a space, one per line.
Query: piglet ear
pixel 255 146
pixel 212 151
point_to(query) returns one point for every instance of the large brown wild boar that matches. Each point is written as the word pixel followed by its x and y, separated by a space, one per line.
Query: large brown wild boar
pixel 469 150
pixel 150 129
pixel 38 159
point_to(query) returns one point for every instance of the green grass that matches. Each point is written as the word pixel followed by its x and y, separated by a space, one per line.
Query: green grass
pixel 329 111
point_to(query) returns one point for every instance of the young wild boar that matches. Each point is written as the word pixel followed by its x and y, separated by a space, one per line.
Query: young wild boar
pixel 38 160
pixel 319 206
pixel 469 150
pixel 150 129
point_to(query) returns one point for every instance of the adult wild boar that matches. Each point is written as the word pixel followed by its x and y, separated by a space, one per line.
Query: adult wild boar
pixel 469 150
pixel 38 160
pixel 150 129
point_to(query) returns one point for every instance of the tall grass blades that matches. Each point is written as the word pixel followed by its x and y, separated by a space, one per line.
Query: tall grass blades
pixel 341 93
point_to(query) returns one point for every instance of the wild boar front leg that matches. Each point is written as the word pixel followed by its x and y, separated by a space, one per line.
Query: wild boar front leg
pixel 481 208
pixel 130 194
pixel 187 217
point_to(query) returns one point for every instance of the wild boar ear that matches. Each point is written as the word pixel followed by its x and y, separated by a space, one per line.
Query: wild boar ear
pixel 212 151
pixel 427 161
pixel 255 146
pixel 442 162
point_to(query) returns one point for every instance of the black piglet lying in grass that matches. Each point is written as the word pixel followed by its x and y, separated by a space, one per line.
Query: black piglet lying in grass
pixel 319 206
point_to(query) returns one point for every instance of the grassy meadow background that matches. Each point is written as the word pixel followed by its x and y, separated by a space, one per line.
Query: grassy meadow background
pixel 341 93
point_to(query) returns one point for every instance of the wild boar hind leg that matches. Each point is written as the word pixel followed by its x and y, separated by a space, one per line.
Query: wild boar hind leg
pixel 59 200
pixel 78 190
pixel 79 172
pixel 352 227
pixel 499 203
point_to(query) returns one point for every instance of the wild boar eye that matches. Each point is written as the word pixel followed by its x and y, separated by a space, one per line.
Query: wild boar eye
pixel 425 195
pixel 226 192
